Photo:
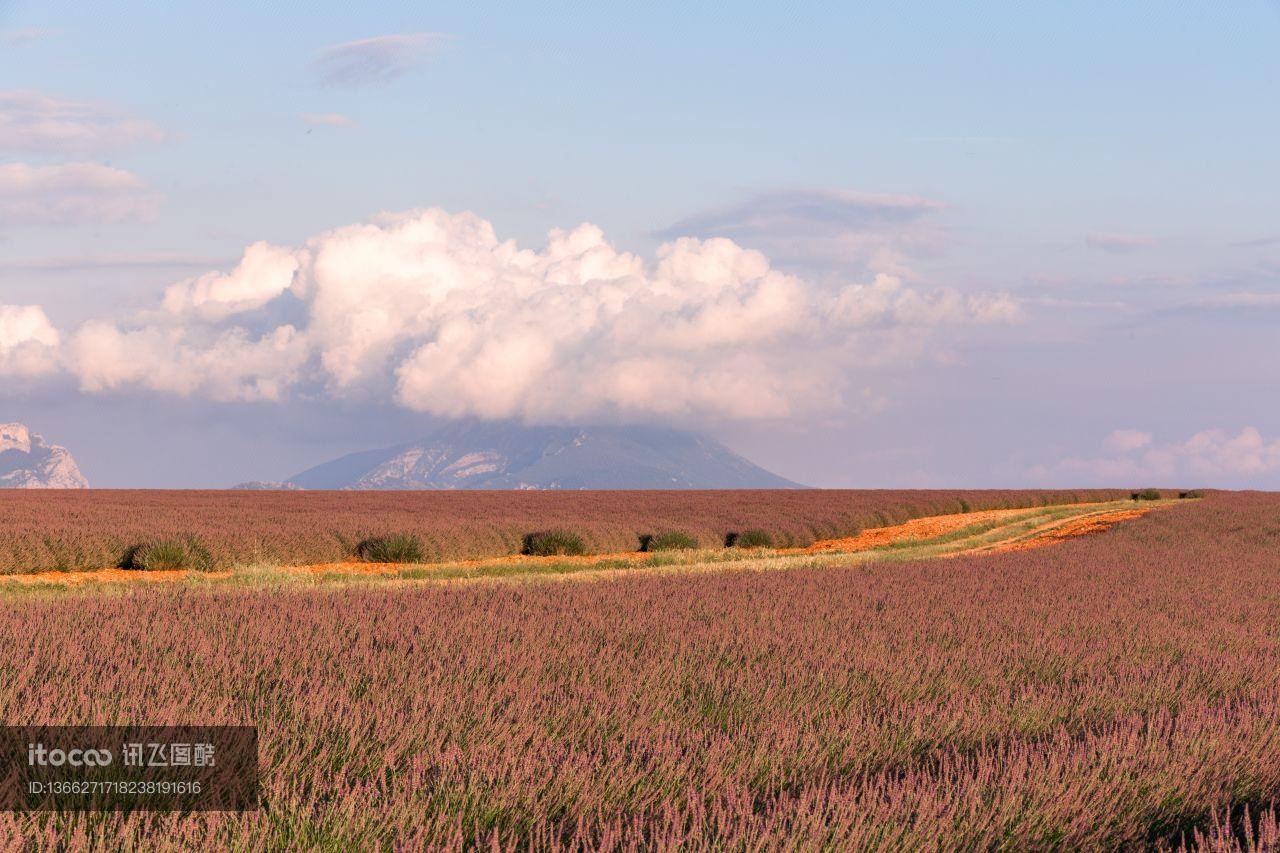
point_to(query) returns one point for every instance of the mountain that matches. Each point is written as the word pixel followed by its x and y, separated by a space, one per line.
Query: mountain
pixel 27 461
pixel 474 455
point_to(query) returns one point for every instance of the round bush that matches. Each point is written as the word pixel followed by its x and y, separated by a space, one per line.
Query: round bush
pixel 753 538
pixel 168 555
pixel 396 548
pixel 554 543
pixel 669 540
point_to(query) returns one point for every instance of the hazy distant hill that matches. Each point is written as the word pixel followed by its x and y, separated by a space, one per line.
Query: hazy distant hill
pixel 471 455
pixel 266 486
pixel 27 461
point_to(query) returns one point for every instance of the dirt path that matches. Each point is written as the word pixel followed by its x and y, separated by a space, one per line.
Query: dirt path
pixel 921 529
pixel 980 532
pixel 1062 530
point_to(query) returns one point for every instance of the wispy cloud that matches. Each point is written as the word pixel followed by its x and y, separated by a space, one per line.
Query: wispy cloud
pixel 327 120
pixel 1113 241
pixel 820 228
pixel 1213 457
pixel 376 60
pixel 40 123
pixel 27 35
pixel 968 139
pixel 80 263
pixel 1240 299
pixel 1082 304
pixel 1257 242
pixel 72 193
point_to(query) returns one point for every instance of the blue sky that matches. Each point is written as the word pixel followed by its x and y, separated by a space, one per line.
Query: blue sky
pixel 1109 172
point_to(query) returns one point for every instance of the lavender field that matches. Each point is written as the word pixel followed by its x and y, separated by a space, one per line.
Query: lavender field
pixel 78 530
pixel 1114 691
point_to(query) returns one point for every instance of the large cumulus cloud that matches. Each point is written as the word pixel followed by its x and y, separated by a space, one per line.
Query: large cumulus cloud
pixel 434 311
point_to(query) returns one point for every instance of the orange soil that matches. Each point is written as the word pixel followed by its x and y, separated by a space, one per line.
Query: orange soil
pixel 878 537
pixel 105 575
pixel 347 568
pixel 352 567
pixel 1060 531
pixel 917 528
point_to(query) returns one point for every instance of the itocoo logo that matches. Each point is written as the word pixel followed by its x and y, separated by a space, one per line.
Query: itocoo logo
pixel 38 755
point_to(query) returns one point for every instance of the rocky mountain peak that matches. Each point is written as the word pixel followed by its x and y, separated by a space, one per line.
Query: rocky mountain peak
pixel 27 461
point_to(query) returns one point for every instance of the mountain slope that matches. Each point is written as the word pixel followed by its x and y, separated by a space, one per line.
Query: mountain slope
pixel 27 461
pixel 471 455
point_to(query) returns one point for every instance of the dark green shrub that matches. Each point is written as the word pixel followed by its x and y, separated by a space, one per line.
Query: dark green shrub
pixel 554 543
pixel 168 555
pixel 1146 495
pixel 394 548
pixel 753 538
pixel 668 540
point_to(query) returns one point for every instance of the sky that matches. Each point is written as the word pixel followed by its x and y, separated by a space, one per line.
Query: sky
pixel 955 245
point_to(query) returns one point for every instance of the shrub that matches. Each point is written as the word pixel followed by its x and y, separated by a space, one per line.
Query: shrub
pixel 396 548
pixel 668 540
pixel 1146 495
pixel 1194 493
pixel 554 543
pixel 168 555
pixel 754 538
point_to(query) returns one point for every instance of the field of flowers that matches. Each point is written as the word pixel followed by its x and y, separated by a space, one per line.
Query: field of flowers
pixel 1115 691
pixel 75 530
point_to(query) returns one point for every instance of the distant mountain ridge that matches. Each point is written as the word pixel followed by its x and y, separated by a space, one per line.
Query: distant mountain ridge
pixel 27 461
pixel 476 455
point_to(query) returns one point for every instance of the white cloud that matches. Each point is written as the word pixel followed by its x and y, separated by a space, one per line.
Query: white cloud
pixel 327 120
pixel 227 366
pixel 434 311
pixel 1124 440
pixel 40 123
pixel 886 302
pixel 28 341
pixel 1216 451
pixel 72 193
pixel 1211 457
pixel 375 60
pixel 263 273
pixel 1113 241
